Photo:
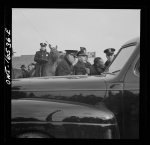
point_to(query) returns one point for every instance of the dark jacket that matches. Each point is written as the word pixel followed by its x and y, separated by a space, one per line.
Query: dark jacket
pixel 88 64
pixel 64 67
pixel 80 68
pixel 107 63
pixel 95 70
pixel 41 57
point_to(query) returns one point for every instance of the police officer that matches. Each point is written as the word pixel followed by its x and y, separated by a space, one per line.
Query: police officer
pixel 65 66
pixel 98 67
pixel 41 57
pixel 83 49
pixel 80 67
pixel 109 55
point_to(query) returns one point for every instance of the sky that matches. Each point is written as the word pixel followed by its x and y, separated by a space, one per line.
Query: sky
pixel 95 29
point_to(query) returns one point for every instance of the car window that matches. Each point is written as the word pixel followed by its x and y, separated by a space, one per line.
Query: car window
pixel 121 59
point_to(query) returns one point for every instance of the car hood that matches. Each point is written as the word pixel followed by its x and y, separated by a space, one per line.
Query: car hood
pixel 37 110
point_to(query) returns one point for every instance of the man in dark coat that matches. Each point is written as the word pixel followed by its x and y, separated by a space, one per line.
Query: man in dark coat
pixel 65 66
pixel 98 67
pixel 83 50
pixel 81 67
pixel 109 55
pixel 41 58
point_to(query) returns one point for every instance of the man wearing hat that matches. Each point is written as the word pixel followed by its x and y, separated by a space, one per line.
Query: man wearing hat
pixel 65 66
pixel 24 71
pixel 109 55
pixel 83 49
pixel 80 67
pixel 87 64
pixel 41 57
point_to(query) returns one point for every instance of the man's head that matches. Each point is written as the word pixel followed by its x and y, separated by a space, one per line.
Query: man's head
pixel 43 46
pixel 98 62
pixel 23 66
pixel 109 53
pixel 31 66
pixel 82 56
pixel 71 55
pixel 83 49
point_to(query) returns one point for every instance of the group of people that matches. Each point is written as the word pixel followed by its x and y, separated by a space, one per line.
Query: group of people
pixel 72 63
pixel 26 73
pixel 83 67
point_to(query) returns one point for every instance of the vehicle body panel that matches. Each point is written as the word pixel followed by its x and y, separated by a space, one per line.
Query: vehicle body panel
pixel 80 106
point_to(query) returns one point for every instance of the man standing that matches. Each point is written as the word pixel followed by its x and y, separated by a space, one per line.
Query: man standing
pixel 65 66
pixel 109 55
pixel 41 57
pixel 80 67
pixel 98 67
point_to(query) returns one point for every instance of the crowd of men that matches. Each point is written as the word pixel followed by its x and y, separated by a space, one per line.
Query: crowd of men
pixel 67 65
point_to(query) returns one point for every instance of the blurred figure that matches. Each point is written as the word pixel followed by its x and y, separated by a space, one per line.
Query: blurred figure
pixel 31 70
pixel 24 71
pixel 65 66
pixel 87 63
pixel 83 49
pixel 80 67
pixel 98 67
pixel 109 55
pixel 41 57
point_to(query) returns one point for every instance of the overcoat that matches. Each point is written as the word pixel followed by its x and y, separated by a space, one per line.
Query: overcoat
pixel 80 68
pixel 41 57
pixel 64 67
pixel 95 70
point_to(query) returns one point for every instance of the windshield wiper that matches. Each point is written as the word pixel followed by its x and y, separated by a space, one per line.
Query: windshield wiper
pixel 111 73
pixel 107 73
pixel 116 71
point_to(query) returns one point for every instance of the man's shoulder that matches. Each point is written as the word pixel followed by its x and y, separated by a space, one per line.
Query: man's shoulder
pixel 62 62
pixel 38 52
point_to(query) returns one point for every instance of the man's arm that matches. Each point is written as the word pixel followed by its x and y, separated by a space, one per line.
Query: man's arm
pixel 36 57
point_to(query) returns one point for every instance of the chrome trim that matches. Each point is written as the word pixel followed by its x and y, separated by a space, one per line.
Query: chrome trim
pixel 71 90
pixel 77 123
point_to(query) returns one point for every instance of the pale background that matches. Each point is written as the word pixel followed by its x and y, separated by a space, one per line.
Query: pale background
pixel 95 29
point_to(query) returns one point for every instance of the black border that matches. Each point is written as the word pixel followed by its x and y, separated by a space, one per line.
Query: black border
pixel 144 47
pixel 7 87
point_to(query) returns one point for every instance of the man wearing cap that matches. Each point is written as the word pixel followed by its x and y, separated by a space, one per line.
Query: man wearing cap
pixel 80 67
pixel 109 55
pixel 24 71
pixel 41 57
pixel 65 67
pixel 87 64
pixel 98 67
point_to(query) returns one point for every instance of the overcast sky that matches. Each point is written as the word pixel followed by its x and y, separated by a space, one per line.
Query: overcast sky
pixel 95 29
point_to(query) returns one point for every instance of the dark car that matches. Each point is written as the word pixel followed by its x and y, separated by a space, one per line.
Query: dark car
pixel 105 106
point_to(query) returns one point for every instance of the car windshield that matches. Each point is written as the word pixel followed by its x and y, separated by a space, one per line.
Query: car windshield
pixel 121 59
